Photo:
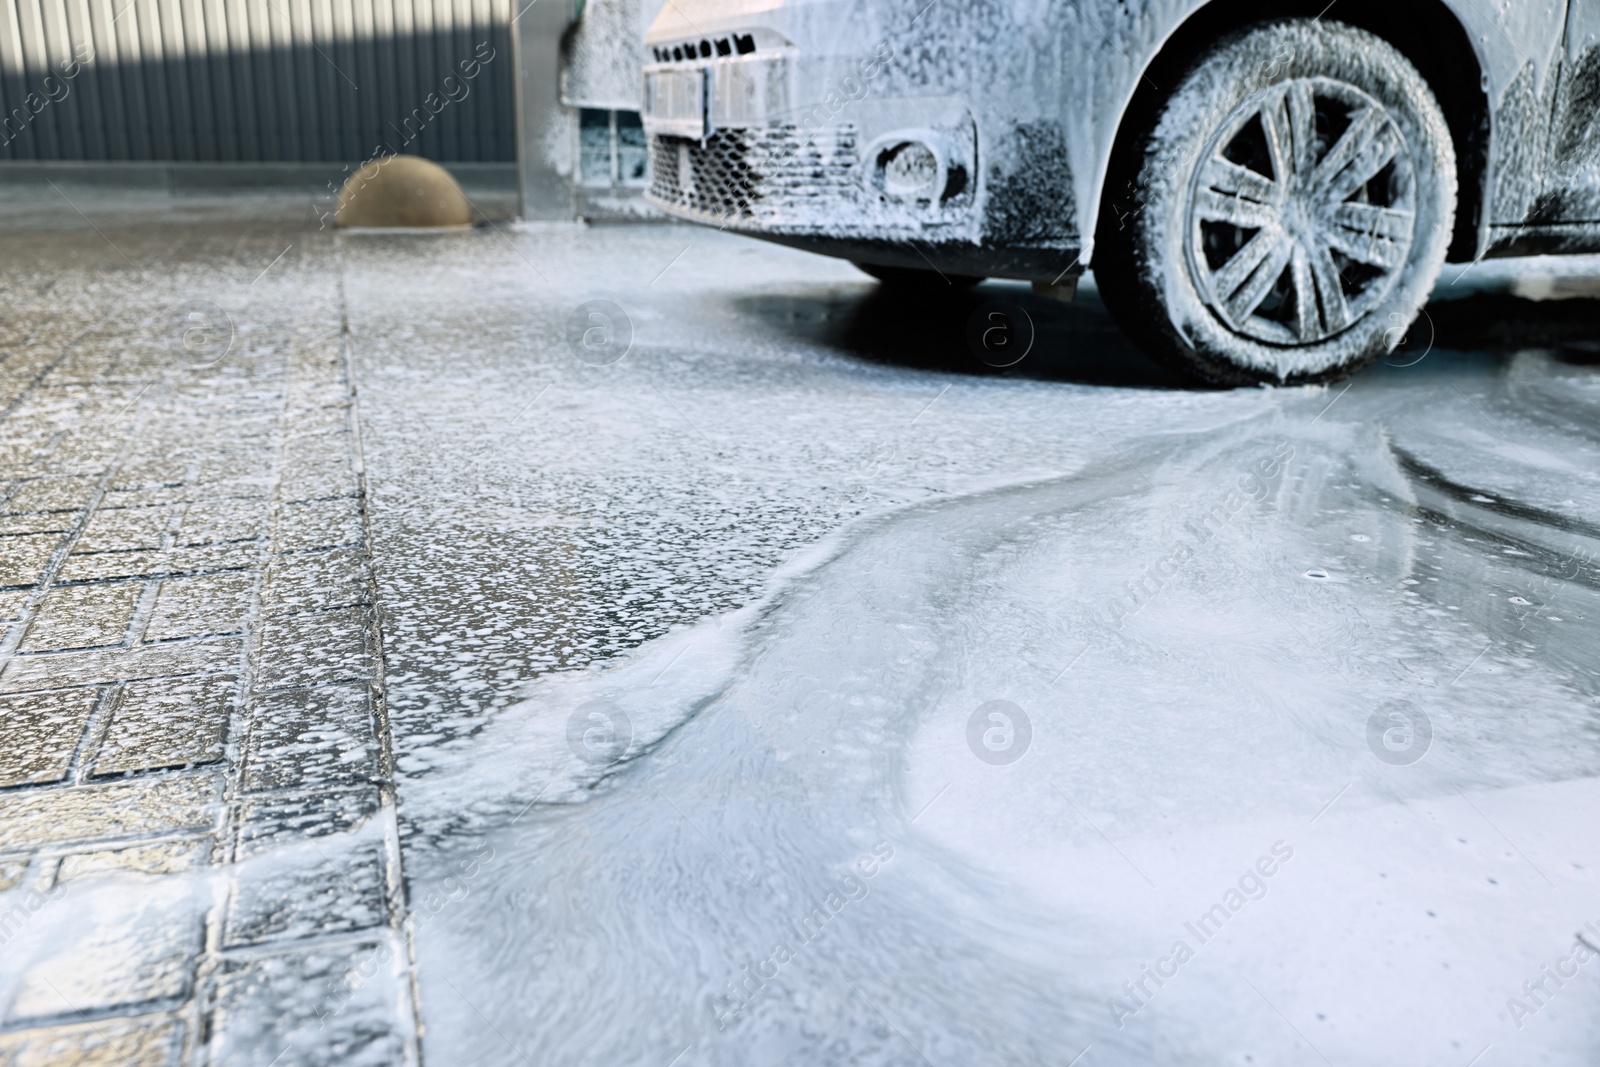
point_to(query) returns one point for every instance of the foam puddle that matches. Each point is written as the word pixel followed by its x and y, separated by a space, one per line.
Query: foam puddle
pixel 802 859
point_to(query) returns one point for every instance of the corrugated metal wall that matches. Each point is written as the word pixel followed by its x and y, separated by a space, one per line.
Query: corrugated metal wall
pixel 255 80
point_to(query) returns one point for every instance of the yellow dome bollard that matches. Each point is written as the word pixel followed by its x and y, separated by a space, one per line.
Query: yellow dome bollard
pixel 402 191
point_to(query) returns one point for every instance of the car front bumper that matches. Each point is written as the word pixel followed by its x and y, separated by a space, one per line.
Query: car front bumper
pixel 891 148
pixel 772 143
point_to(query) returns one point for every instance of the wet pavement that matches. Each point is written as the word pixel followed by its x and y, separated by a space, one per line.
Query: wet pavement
pixel 750 674
pixel 197 842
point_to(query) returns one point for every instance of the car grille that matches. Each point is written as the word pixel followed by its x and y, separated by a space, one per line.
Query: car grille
pixel 771 174
pixel 741 43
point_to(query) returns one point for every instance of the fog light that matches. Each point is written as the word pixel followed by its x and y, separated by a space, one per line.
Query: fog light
pixel 920 164
pixel 909 169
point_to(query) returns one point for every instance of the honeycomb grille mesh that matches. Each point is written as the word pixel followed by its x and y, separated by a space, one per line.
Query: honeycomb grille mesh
pixel 769 175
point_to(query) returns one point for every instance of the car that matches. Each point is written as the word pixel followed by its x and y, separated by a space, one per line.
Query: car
pixel 1266 191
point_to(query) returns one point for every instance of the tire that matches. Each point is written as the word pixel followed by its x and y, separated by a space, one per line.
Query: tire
pixel 1242 254
pixel 911 278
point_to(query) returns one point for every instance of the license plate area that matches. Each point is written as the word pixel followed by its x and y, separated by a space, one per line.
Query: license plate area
pixel 675 100
pixel 737 93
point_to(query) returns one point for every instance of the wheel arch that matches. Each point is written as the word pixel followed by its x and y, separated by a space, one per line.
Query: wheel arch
pixel 1426 32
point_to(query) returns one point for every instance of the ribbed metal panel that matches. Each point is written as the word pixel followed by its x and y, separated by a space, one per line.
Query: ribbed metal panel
pixel 255 80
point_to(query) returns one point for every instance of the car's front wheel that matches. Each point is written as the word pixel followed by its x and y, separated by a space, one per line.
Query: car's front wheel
pixel 1283 215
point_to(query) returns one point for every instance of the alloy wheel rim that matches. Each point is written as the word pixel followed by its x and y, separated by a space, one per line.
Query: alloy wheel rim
pixel 1301 213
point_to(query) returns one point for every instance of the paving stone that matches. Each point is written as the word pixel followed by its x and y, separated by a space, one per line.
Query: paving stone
pixel 39 732
pixel 141 935
pixel 82 616
pixel 281 818
pixel 250 424
pixel 168 722
pixel 25 359
pixel 311 735
pixel 147 1041
pixel 89 446
pixel 83 366
pixel 30 419
pixel 22 454
pixel 11 603
pixel 321 420
pixel 318 524
pixel 162 857
pixel 316 466
pixel 317 359
pixel 210 521
pixel 310 650
pixel 120 529
pixel 314 1008
pixel 230 390
pixel 204 445
pixel 104 566
pixel 202 606
pixel 34 522
pixel 11 873
pixel 104 666
pixel 45 338
pixel 87 452
pixel 151 471
pixel 62 398
pixel 115 809
pixel 149 496
pixel 307 447
pixel 315 581
pixel 314 480
pixel 68 493
pixel 243 467
pixel 331 885
pixel 34 424
pixel 22 558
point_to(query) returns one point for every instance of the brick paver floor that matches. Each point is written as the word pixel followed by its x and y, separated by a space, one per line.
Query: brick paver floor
pixel 198 858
